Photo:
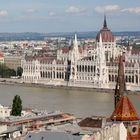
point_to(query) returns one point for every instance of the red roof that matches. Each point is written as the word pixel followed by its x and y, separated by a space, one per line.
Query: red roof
pixel 65 50
pixel 106 34
pixel 1 54
pixel 135 50
pixel 124 111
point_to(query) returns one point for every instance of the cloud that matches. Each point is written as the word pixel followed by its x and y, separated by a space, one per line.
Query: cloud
pixel 107 8
pixel 26 17
pixel 31 10
pixel 75 10
pixel 135 10
pixel 3 13
pixel 51 14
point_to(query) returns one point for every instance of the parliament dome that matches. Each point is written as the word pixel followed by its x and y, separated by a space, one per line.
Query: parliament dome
pixel 106 34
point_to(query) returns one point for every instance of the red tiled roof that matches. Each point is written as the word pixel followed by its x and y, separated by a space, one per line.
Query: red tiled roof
pixel 124 111
pixel 106 34
pixel 90 122
pixel 135 50
pixel 65 50
pixel 1 54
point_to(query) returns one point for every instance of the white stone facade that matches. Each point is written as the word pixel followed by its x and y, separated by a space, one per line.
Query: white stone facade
pixel 112 132
pixel 4 111
pixel 76 67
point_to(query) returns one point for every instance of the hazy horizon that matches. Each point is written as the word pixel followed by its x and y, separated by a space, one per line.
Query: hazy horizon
pixel 46 16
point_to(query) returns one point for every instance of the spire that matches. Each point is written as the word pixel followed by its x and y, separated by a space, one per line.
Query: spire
pixel 105 23
pixel 120 85
pixel 75 39
pixel 75 43
pixel 75 49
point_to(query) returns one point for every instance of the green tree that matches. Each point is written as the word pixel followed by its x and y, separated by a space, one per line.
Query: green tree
pixel 17 106
pixel 6 72
pixel 19 71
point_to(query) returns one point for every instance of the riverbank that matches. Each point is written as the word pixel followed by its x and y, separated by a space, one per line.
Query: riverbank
pixel 99 90
pixel 11 83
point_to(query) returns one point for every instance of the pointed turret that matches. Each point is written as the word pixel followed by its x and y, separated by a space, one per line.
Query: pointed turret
pixel 120 85
pixel 75 40
pixel 75 48
pixel 124 111
pixel 105 23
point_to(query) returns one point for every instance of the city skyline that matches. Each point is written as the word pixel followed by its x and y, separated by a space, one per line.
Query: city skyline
pixel 68 15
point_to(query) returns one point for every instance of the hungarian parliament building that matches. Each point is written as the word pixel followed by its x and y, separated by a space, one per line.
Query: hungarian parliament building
pixel 80 66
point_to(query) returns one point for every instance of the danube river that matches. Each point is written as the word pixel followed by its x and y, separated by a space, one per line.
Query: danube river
pixel 79 102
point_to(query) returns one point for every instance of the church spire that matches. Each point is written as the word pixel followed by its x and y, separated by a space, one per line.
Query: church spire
pixel 105 23
pixel 120 84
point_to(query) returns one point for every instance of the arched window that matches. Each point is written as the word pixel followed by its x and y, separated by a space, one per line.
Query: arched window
pixel 130 79
pixel 57 75
pixel 112 78
pixel 48 74
pixel 85 68
pixel 62 75
pixel 136 76
pixel 115 77
pixel 77 68
pixel 41 74
pixel 54 74
pixel 94 69
pixel 88 68
pixel 51 75
pixel 109 77
pixel 80 68
pixel 126 78
pixel 91 68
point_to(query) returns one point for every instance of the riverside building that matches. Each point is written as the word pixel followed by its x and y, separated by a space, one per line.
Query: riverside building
pixel 78 66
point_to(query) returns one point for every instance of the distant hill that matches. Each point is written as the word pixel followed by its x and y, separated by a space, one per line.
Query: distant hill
pixel 41 36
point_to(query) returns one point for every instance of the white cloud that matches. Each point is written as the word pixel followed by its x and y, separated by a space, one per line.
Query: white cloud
pixel 3 13
pixel 31 10
pixel 31 18
pixel 135 10
pixel 51 14
pixel 74 10
pixel 107 8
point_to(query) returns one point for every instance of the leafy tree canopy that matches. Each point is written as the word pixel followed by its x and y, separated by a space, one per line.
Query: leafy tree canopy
pixel 17 106
pixel 19 71
pixel 6 72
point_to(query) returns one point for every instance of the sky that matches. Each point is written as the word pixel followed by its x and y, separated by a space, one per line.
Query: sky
pixel 47 16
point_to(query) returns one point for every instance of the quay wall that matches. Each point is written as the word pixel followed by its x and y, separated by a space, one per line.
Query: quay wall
pixel 17 82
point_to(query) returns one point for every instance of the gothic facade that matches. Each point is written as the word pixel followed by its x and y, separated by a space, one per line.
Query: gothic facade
pixel 81 66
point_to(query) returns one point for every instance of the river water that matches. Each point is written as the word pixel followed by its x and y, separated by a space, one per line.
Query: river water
pixel 81 103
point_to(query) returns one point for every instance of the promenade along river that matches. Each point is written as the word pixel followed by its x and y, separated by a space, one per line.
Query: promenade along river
pixel 79 102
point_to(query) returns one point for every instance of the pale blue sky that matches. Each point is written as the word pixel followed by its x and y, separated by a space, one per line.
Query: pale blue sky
pixel 68 15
